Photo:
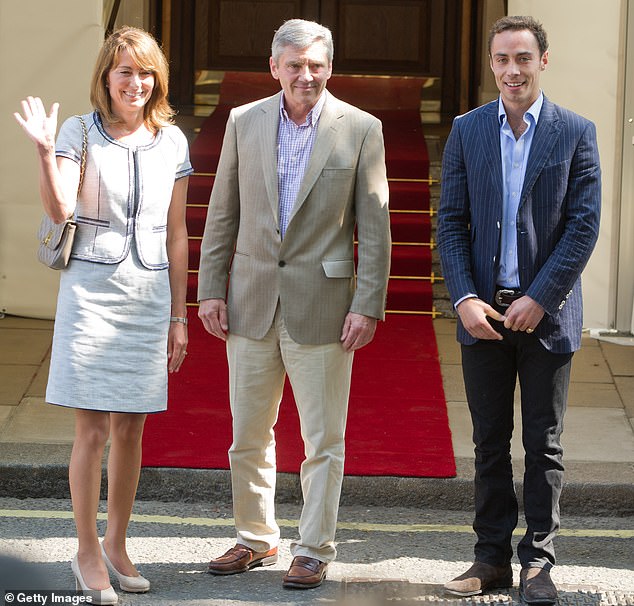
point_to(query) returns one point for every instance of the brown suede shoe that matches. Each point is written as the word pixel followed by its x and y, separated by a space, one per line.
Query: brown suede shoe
pixel 305 573
pixel 536 586
pixel 241 558
pixel 480 577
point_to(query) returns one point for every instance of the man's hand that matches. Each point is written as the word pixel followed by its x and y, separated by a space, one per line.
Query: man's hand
pixel 524 314
pixel 358 330
pixel 213 313
pixel 474 312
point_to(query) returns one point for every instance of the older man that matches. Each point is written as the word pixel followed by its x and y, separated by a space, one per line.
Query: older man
pixel 297 173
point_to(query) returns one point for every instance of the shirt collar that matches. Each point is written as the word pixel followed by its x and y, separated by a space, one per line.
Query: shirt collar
pixel 313 115
pixel 533 110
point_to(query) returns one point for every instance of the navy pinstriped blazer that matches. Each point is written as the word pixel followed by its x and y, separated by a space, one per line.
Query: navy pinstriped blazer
pixel 557 220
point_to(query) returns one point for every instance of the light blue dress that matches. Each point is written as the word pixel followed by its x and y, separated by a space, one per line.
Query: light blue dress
pixel 112 320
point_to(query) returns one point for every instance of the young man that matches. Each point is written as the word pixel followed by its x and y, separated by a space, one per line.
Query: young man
pixel 518 220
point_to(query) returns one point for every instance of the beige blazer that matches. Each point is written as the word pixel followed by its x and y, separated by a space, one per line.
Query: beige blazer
pixel 311 272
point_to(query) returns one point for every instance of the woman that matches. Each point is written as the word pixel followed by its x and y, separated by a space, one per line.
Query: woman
pixel 121 320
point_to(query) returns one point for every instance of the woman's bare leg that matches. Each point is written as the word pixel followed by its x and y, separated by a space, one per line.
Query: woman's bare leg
pixel 124 467
pixel 91 434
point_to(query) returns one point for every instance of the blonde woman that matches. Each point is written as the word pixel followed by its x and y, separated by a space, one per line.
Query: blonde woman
pixel 121 322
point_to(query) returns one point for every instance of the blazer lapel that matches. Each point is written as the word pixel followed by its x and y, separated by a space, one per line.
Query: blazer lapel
pixel 322 147
pixel 268 150
pixel 544 139
pixel 490 139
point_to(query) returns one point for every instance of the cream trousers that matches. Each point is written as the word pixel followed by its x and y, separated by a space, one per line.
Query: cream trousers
pixel 320 378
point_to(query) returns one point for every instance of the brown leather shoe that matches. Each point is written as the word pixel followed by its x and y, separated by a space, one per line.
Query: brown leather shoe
pixel 536 586
pixel 241 558
pixel 480 577
pixel 305 573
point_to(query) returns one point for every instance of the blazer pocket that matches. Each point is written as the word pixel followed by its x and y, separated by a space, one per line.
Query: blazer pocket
pixel 343 268
pixel 337 173
pixel 92 221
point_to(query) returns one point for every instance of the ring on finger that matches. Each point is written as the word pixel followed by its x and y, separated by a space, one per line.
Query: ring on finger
pixel 529 330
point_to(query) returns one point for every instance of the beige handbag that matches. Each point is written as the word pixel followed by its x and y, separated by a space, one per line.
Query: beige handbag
pixel 56 239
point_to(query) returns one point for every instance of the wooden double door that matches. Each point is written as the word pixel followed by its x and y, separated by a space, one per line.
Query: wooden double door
pixel 386 37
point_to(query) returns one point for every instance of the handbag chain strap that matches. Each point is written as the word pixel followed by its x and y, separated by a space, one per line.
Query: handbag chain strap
pixel 84 151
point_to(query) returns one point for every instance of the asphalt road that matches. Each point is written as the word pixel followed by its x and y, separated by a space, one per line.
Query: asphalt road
pixel 386 555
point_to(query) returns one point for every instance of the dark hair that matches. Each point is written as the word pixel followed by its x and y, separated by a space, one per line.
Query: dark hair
pixel 518 23
pixel 146 53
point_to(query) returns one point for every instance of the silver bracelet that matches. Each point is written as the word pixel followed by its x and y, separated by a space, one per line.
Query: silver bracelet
pixel 178 319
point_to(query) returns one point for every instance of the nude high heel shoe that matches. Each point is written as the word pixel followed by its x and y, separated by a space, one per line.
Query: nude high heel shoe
pixel 130 584
pixel 99 596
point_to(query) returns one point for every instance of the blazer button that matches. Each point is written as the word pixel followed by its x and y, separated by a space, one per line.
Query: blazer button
pixel 282 263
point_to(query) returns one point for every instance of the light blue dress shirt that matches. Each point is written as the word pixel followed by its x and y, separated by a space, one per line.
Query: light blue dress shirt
pixel 514 154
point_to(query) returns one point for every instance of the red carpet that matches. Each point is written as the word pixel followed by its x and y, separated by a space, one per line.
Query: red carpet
pixel 397 423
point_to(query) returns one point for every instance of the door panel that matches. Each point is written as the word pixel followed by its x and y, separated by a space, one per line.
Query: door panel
pixel 371 36
pixel 234 34
pixel 374 37
pixel 379 37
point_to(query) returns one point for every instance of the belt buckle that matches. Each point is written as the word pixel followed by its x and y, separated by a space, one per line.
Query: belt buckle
pixel 500 294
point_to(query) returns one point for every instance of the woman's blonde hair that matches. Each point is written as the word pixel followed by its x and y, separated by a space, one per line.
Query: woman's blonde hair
pixel 147 54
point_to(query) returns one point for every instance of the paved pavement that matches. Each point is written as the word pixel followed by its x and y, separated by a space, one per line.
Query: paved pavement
pixel 35 438
pixel 399 538
pixel 385 555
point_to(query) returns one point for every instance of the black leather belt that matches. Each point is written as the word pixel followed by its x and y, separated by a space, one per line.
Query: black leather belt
pixel 505 296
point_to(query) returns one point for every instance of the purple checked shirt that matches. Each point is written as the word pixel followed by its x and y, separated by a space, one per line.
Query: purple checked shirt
pixel 294 146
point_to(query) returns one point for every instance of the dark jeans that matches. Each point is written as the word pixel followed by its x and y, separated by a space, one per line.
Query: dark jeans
pixel 490 371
